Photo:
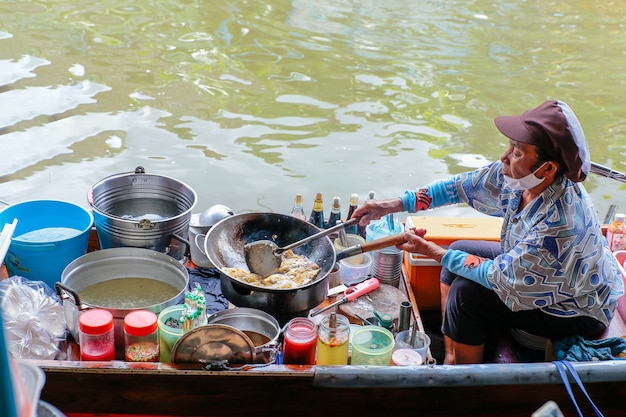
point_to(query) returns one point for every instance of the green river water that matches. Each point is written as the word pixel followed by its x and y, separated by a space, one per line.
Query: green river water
pixel 251 102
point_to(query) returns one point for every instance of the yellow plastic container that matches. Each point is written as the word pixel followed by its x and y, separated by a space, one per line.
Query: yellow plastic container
pixel 423 272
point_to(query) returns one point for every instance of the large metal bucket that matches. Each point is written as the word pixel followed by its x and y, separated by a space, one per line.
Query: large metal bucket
pixel 143 211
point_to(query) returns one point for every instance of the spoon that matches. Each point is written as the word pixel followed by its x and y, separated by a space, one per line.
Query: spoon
pixel 264 256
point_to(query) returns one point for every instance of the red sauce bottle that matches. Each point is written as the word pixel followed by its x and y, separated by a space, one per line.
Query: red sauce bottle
pixel 300 342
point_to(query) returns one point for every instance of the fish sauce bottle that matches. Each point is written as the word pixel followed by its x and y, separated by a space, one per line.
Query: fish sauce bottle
pixel 335 213
pixel 354 203
pixel 616 233
pixel 298 211
pixel 317 214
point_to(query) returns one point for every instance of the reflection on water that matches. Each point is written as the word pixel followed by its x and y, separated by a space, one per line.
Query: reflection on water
pixel 251 102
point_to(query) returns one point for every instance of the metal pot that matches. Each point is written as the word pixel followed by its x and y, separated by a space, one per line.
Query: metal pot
pixel 262 328
pixel 224 247
pixel 142 211
pixel 118 263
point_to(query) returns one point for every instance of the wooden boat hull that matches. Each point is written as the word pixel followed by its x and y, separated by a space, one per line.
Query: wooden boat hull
pixel 473 390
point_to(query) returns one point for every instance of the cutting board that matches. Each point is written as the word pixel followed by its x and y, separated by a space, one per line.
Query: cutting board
pixel 385 299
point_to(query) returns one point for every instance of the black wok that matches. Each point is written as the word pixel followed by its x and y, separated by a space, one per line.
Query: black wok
pixel 224 246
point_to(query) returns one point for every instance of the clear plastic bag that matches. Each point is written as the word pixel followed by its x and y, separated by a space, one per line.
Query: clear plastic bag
pixel 33 318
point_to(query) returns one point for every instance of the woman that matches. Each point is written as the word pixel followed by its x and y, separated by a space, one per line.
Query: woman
pixel 552 274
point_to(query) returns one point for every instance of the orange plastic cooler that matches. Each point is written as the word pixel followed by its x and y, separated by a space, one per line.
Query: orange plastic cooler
pixel 424 271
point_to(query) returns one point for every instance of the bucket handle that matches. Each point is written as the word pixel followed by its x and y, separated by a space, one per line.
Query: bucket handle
pixel 138 170
pixel 65 293
pixel 34 247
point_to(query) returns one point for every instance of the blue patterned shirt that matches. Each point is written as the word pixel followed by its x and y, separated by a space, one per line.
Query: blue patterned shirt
pixel 554 255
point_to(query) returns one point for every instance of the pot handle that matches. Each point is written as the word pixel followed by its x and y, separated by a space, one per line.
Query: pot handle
pixel 383 242
pixel 65 292
pixel 185 242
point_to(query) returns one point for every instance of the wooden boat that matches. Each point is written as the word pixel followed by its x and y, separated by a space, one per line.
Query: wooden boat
pixel 506 386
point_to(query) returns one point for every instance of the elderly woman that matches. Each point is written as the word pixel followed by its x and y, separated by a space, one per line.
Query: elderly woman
pixel 552 274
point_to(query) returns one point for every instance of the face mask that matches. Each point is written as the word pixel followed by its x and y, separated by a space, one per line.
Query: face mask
pixel 525 183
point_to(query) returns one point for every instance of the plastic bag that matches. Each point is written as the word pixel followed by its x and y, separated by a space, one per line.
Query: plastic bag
pixel 33 318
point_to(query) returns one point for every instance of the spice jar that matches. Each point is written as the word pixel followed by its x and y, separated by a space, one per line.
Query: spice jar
pixel 300 342
pixel 96 336
pixel 141 336
pixel 332 341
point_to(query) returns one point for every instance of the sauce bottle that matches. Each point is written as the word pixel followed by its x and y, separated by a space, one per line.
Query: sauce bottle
pixel 616 233
pixel 298 211
pixel 354 203
pixel 317 214
pixel 300 342
pixel 141 336
pixel 335 213
pixel 332 341
pixel 96 336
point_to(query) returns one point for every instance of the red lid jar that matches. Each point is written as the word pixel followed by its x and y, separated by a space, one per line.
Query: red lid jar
pixel 96 336
pixel 141 336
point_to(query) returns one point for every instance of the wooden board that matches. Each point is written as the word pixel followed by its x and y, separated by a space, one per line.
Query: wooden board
pixel 385 299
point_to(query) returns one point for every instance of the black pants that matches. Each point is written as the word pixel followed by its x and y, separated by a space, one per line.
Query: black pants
pixel 473 312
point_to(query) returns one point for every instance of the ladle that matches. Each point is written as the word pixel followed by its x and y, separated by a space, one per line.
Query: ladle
pixel 264 256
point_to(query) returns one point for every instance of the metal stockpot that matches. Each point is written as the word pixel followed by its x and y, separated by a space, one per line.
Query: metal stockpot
pixel 118 263
pixel 224 247
pixel 142 211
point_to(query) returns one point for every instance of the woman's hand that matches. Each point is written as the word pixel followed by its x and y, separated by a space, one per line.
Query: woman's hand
pixel 415 243
pixel 375 209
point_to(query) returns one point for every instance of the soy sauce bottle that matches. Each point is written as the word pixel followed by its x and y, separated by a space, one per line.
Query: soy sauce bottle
pixel 317 214
pixel 335 213
pixel 354 203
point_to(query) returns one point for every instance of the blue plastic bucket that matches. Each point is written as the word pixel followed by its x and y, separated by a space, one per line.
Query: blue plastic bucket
pixel 49 235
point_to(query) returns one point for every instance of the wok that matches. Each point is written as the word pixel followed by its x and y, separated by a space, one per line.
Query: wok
pixel 224 246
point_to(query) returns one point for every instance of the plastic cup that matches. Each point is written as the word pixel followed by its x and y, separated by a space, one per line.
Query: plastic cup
pixel 372 345
pixel 421 344
pixel 350 272
pixel 168 336
pixel 353 240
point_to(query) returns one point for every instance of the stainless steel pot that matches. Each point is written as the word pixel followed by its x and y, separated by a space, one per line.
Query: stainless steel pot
pixel 135 209
pixel 224 247
pixel 118 263
pixel 262 328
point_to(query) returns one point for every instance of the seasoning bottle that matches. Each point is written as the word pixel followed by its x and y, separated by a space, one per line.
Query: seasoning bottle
pixel 300 342
pixel 141 336
pixel 616 233
pixel 317 214
pixel 96 335
pixel 335 213
pixel 298 211
pixel 333 336
pixel 354 202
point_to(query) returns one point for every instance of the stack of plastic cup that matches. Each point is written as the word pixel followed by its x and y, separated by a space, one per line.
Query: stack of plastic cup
pixel 387 262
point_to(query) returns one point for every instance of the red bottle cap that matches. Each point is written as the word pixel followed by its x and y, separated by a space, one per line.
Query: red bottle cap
pixel 140 322
pixel 95 321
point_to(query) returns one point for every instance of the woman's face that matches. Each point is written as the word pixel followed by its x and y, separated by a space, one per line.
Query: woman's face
pixel 519 159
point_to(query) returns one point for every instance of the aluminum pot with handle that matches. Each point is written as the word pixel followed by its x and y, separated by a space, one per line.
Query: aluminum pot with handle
pixel 119 264
pixel 224 246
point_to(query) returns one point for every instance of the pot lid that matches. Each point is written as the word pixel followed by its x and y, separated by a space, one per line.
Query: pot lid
pixel 210 216
pixel 214 342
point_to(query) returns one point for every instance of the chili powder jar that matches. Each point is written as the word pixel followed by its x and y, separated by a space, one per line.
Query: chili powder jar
pixel 96 337
pixel 141 336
